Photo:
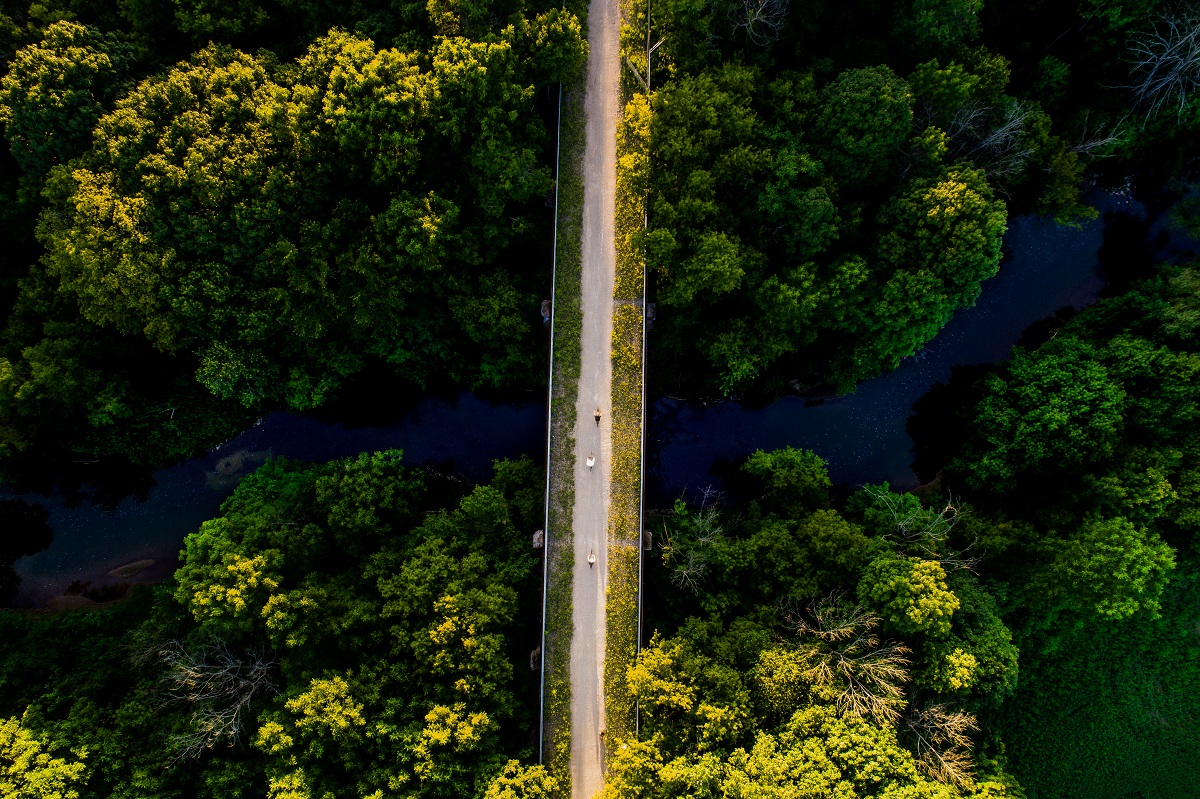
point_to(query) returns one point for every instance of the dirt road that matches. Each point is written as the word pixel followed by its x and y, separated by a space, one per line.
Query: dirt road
pixel 595 384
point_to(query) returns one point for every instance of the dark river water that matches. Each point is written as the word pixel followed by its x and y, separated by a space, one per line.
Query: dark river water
pixel 862 435
pixel 462 435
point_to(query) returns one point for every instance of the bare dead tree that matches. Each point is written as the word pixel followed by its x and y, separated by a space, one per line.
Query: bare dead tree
pixel 831 619
pixel 923 531
pixel 707 520
pixel 915 527
pixel 690 573
pixel 1166 64
pixel 689 551
pixel 992 139
pixel 849 657
pixel 1004 151
pixel 763 20
pixel 942 742
pixel 217 685
pixel 1099 142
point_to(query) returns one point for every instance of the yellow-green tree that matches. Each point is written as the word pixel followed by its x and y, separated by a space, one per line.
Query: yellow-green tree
pixel 29 771
pixel 56 90
pixel 911 594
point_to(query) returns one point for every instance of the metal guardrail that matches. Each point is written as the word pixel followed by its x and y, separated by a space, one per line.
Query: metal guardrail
pixel 637 708
pixel 549 423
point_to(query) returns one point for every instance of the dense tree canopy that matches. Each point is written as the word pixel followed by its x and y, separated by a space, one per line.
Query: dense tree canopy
pixel 795 624
pixel 216 218
pixel 55 90
pixel 231 223
pixel 819 277
pixel 939 635
pixel 209 210
pixel 823 199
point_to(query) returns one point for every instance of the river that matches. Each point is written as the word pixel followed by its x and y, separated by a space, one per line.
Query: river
pixel 461 435
pixel 689 446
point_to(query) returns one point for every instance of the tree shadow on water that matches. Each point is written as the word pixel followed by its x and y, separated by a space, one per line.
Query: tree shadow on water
pixel 1129 252
pixel 24 530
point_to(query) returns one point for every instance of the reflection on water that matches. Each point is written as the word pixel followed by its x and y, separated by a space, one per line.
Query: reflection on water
pixel 233 467
pixel 463 434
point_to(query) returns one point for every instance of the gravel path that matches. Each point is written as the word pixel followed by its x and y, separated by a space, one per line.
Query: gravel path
pixel 595 384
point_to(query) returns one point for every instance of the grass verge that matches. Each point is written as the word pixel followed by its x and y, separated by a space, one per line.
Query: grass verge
pixel 568 329
pixel 621 645
pixel 628 403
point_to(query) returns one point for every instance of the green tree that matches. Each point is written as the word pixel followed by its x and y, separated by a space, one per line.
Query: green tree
pixel 792 480
pixel 56 90
pixel 819 751
pixel 911 594
pixel 688 699
pixel 202 135
pixel 205 18
pixel 327 709
pixel 865 117
pixel 799 203
pixel 1057 409
pixel 704 131
pixel 1111 567
pixel 946 90
pixel 980 639
pixel 816 752
pixel 934 26
pixel 941 240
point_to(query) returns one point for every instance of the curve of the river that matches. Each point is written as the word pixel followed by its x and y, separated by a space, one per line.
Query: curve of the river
pixel 862 435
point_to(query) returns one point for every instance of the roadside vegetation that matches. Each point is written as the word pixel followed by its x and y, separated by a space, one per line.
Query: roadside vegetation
pixel 628 393
pixel 560 547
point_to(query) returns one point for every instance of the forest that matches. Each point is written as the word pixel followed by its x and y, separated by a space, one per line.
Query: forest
pixel 220 210
pixel 828 187
pixel 210 211
pixel 353 628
